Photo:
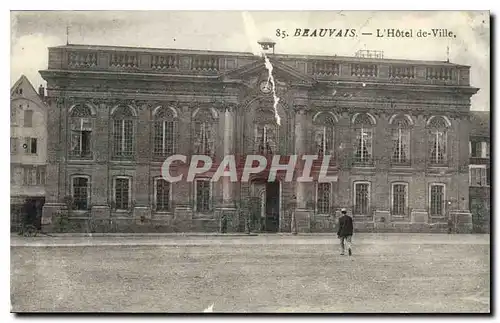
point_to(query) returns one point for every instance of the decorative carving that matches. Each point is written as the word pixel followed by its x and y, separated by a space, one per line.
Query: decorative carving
pixel 82 59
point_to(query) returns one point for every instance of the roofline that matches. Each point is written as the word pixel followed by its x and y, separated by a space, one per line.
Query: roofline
pixel 19 82
pixel 248 54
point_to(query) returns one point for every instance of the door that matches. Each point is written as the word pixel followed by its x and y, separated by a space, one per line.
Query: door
pixel 272 207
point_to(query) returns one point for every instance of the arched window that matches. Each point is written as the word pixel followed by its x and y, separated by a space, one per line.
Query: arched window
pixel 123 133
pixel 204 132
pixel 324 134
pixel 438 140
pixel 400 140
pixel 165 132
pixel 81 125
pixel 363 147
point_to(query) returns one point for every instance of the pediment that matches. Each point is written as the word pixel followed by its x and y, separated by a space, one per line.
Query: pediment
pixel 255 70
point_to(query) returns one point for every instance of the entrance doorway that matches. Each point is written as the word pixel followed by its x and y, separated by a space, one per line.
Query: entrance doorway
pixel 272 207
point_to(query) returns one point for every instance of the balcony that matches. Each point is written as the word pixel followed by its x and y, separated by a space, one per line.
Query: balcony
pixel 198 62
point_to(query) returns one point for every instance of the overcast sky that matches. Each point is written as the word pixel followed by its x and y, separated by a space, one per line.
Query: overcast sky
pixel 33 32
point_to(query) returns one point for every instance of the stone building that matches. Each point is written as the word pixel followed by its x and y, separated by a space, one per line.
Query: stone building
pixel 397 131
pixel 28 153
pixel 479 191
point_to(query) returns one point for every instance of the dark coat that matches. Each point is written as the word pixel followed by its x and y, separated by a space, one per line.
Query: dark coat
pixel 345 226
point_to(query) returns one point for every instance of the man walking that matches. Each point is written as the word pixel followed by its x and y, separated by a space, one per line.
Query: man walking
pixel 345 231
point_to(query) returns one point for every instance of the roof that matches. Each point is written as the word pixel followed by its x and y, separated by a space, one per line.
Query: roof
pixel 22 79
pixel 480 123
pixel 248 54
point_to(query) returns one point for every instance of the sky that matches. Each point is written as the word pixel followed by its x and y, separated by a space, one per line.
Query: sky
pixel 33 31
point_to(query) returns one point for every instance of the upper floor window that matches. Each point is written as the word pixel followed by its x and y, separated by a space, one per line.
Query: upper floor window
pixel 324 134
pixel 437 199
pixel 400 140
pixel 28 118
pixel 363 147
pixel 123 132
pixel 81 132
pixel 165 132
pixel 438 140
pixel 30 146
pixel 34 175
pixel 478 175
pixel 479 149
pixel 80 189
pixel 204 131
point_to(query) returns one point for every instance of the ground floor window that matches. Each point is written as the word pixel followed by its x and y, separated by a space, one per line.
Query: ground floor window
pixel 399 199
pixel 80 190
pixel 437 199
pixel 203 192
pixel 162 195
pixel 122 193
pixel 361 198
pixel 323 198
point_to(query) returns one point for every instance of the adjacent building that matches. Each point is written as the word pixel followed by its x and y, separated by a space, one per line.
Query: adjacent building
pixel 479 190
pixel 28 154
pixel 397 131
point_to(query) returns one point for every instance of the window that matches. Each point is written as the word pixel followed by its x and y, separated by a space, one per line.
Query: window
pixel 165 129
pixel 323 198
pixel 361 198
pixel 203 193
pixel 13 145
pixel 122 193
pixel 123 133
pixel 478 175
pixel 81 132
pixel 437 140
pixel 13 115
pixel 363 126
pixel 162 195
pixel 437 199
pixel 80 191
pixel 28 118
pixel 479 149
pixel 400 141
pixel 324 134
pixel 266 139
pixel 34 175
pixel 399 199
pixel 204 132
pixel 30 145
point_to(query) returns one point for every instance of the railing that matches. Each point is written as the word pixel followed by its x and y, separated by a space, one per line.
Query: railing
pixel 336 68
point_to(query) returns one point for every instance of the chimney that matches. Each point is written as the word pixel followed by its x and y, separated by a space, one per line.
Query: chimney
pixel 41 91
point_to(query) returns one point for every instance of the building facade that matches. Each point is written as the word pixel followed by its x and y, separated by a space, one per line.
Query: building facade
pixel 28 153
pixel 479 168
pixel 397 132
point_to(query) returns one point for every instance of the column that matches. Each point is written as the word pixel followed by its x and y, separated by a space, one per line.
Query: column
pixel 300 149
pixel 227 187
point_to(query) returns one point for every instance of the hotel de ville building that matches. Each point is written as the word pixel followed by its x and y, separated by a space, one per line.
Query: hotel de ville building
pixel 397 132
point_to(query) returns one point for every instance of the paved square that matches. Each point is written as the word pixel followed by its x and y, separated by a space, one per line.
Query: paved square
pixel 271 273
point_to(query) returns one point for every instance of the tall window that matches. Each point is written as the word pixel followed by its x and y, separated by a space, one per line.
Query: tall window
pixel 400 141
pixel 203 193
pixel 80 191
pixel 363 127
pixel 323 198
pixel 30 145
pixel 399 199
pixel 81 132
pixel 437 141
pixel 478 175
pixel 437 200
pixel 122 193
pixel 162 195
pixel 28 118
pixel 204 132
pixel 361 198
pixel 266 138
pixel 123 133
pixel 165 130
pixel 324 134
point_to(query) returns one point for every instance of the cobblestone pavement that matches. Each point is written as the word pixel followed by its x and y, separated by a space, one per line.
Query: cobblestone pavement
pixel 265 273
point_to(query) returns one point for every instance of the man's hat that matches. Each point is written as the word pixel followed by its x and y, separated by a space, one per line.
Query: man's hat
pixel 343 210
